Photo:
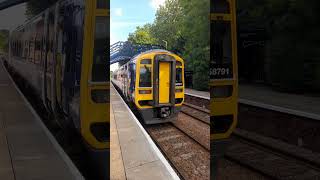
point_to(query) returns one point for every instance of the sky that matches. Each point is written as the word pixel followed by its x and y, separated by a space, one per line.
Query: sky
pixel 126 15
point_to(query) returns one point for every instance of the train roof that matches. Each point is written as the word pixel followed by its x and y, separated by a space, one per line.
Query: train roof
pixel 124 51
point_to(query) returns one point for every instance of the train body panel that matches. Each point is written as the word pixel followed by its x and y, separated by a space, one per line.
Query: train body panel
pixel 223 70
pixel 62 53
pixel 154 82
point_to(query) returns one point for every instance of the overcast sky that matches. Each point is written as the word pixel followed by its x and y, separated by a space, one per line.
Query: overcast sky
pixel 12 17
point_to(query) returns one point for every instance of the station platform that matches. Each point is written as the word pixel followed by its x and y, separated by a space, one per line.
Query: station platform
pixel 265 97
pixel 297 104
pixel 203 94
pixel 133 153
pixel 28 151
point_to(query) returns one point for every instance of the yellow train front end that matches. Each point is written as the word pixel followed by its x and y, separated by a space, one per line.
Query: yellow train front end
pixel 159 86
pixel 95 85
pixel 223 72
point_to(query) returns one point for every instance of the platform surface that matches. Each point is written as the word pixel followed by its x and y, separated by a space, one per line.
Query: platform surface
pixel 266 95
pixel 26 151
pixel 198 93
pixel 131 151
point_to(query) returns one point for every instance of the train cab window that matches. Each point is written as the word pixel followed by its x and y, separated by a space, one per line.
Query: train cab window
pixel 145 61
pixel 145 76
pixel 179 77
pixel 100 67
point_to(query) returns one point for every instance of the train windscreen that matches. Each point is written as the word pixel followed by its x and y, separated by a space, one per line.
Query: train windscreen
pixel 100 67
pixel 145 76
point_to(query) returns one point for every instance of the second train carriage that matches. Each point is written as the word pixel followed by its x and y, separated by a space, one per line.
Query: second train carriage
pixel 62 53
pixel 223 70
pixel 154 82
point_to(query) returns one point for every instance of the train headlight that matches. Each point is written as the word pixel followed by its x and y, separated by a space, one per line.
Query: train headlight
pixel 146 103
pixel 179 90
pixel 145 91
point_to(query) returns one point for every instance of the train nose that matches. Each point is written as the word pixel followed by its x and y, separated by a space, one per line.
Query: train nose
pixel 164 112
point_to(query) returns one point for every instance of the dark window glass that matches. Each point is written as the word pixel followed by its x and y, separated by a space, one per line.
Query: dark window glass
pixel 220 6
pixel 100 67
pixel 145 76
pixel 145 61
pixel 221 50
pixel 102 4
pixel 178 63
pixel 221 42
pixel 179 77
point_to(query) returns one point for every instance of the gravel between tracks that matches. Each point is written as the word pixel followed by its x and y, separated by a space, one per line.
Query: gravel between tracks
pixel 270 163
pixel 197 130
pixel 228 170
pixel 190 158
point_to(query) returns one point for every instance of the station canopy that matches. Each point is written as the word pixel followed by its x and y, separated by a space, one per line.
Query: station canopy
pixel 4 4
pixel 123 51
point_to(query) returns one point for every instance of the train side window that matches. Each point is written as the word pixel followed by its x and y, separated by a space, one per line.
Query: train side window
pixel 100 67
pixel 179 77
pixel 102 4
pixel 145 76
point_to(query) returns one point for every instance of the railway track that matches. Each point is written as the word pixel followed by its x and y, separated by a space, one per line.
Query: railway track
pixel 269 161
pixel 197 100
pixel 189 158
pixel 272 158
pixel 198 113
pixel 186 142
pixel 187 150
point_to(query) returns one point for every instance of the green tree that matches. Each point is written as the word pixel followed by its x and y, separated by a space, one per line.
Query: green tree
pixel 292 39
pixel 142 35
pixel 4 34
pixel 184 25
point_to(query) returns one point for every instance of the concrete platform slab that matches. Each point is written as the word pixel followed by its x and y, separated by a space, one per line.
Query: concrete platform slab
pixel 27 149
pixel 203 94
pixel 140 160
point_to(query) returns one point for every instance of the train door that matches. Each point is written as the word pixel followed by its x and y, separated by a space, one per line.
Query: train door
pixel 164 82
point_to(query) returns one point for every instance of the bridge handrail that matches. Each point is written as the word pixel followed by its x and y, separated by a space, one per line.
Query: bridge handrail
pixel 126 50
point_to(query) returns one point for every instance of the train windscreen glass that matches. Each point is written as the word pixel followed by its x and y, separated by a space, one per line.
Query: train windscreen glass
pixel 221 51
pixel 100 67
pixel 102 4
pixel 145 76
pixel 179 77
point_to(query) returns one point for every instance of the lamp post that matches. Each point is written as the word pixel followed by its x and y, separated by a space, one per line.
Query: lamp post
pixel 166 42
